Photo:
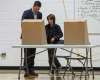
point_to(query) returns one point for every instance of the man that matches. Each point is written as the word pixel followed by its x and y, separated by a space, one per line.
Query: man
pixel 32 13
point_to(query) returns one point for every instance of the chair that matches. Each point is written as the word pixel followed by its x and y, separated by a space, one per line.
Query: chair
pixel 75 33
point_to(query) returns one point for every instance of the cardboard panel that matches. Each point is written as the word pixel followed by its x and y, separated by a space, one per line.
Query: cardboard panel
pixel 33 32
pixel 75 32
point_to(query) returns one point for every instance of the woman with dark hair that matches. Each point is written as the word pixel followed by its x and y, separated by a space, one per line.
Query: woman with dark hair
pixel 54 33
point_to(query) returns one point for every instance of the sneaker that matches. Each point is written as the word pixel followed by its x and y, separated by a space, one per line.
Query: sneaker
pixel 58 70
pixel 52 72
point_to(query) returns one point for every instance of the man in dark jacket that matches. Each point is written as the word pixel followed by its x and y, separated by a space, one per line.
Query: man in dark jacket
pixel 54 33
pixel 32 13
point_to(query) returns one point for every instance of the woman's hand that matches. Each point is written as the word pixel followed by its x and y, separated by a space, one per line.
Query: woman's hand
pixel 52 39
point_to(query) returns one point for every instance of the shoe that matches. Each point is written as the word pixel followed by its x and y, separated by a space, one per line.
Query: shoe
pixel 33 74
pixel 58 70
pixel 30 75
pixel 52 72
pixel 26 75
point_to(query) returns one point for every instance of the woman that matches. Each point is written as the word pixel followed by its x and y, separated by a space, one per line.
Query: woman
pixel 54 33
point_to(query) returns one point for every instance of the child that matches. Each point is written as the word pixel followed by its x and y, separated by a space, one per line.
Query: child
pixel 54 33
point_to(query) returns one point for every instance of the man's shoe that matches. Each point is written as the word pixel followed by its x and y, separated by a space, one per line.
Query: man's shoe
pixel 26 75
pixel 34 74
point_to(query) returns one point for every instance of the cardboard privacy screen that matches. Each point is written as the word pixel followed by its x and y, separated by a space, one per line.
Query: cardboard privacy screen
pixel 75 32
pixel 33 32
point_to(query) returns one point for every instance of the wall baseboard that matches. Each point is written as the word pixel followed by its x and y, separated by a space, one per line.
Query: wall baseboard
pixel 42 68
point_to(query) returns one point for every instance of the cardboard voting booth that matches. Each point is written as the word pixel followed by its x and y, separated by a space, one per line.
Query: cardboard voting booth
pixel 33 32
pixel 75 32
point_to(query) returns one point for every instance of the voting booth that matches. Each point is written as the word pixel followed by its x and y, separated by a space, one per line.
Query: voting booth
pixel 33 32
pixel 75 32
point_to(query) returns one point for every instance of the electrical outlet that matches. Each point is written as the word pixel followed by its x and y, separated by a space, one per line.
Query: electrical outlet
pixel 3 54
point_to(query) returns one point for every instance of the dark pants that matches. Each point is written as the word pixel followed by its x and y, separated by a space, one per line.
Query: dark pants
pixel 51 52
pixel 29 61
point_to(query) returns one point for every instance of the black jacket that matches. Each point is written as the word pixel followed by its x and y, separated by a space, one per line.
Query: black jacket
pixel 54 31
pixel 28 14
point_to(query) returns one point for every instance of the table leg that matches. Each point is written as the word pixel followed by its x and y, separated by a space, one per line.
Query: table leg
pixel 86 67
pixel 20 64
pixel 91 63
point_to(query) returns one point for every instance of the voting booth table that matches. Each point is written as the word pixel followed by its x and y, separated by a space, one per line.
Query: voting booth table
pixel 75 36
